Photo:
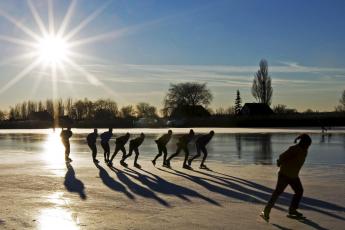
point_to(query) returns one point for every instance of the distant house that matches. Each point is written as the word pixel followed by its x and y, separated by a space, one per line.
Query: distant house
pixel 40 116
pixel 256 109
pixel 185 111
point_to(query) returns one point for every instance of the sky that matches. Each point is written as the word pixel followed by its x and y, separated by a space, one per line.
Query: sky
pixel 132 50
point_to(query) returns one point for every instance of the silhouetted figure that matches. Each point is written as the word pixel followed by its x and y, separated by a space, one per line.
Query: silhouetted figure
pixel 105 137
pixel 290 163
pixel 200 144
pixel 134 146
pixel 120 145
pixel 182 144
pixel 91 142
pixel 65 136
pixel 162 149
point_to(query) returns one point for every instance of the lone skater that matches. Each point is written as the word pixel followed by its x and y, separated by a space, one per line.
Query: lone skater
pixel 120 145
pixel 105 137
pixel 182 144
pixel 91 142
pixel 65 136
pixel 162 149
pixel 290 163
pixel 200 144
pixel 134 146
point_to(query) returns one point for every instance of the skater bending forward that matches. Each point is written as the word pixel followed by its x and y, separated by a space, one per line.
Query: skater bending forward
pixel 182 144
pixel 200 144
pixel 91 142
pixel 162 149
pixel 290 163
pixel 134 146
pixel 120 143
pixel 105 137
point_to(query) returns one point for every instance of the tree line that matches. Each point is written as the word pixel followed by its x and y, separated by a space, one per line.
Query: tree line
pixel 187 94
pixel 81 109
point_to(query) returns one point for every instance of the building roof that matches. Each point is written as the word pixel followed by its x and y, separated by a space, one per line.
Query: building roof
pixel 256 109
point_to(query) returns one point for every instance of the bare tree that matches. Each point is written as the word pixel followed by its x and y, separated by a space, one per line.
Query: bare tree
pixel 186 94
pixel 262 89
pixel 127 111
pixel 146 110
pixel 341 107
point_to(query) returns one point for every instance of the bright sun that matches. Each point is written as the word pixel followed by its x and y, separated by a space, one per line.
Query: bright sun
pixel 52 49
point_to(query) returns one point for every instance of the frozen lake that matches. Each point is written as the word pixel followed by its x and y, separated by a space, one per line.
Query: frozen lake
pixel 231 146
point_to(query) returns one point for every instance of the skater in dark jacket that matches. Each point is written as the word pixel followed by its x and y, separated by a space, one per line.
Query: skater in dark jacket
pixel 65 135
pixel 119 145
pixel 134 146
pixel 290 163
pixel 91 142
pixel 200 144
pixel 105 137
pixel 182 144
pixel 162 149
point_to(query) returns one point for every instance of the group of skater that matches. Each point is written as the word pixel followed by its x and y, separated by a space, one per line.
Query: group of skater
pixel 120 142
pixel 290 162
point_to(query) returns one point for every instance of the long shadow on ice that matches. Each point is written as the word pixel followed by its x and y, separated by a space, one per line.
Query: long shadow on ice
pixel 138 189
pixel 235 191
pixel 111 183
pixel 163 186
pixel 73 184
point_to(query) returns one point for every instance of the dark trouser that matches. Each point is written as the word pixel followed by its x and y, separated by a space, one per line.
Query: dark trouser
pixel 282 182
pixel 161 150
pixel 178 150
pixel 93 149
pixel 106 148
pixel 200 148
pixel 136 151
pixel 117 149
pixel 67 149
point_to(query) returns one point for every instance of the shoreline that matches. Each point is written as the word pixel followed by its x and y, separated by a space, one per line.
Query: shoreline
pixel 224 130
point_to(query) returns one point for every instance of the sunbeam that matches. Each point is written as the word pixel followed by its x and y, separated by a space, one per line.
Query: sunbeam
pixel 20 75
pixel 19 25
pixel 67 18
pixel 86 21
pixel 37 18
pixel 17 41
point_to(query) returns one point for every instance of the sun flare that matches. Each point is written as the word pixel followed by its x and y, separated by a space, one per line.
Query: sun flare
pixel 52 49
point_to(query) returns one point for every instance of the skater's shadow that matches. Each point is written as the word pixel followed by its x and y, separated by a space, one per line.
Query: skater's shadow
pixel 281 227
pixel 234 191
pixel 264 193
pixel 308 222
pixel 312 224
pixel 163 186
pixel 73 184
pixel 138 189
pixel 111 183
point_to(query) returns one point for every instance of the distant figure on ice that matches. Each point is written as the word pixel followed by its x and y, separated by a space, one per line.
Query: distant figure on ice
pixel 161 144
pixel 134 146
pixel 91 142
pixel 120 145
pixel 105 137
pixel 200 144
pixel 290 163
pixel 182 144
pixel 65 136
